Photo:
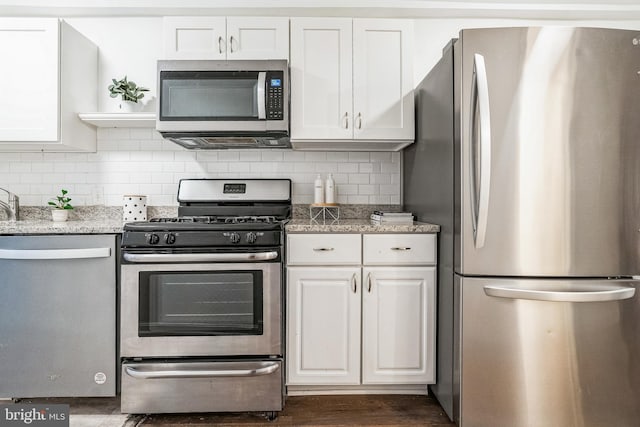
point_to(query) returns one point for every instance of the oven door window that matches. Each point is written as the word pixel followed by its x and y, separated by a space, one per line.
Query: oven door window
pixel 200 303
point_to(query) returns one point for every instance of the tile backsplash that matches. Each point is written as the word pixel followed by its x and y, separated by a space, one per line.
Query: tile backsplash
pixel 139 161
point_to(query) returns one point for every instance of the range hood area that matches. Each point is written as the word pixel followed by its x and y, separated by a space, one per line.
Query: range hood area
pixel 224 141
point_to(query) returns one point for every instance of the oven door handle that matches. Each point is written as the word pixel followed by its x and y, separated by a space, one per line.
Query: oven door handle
pixel 252 256
pixel 200 373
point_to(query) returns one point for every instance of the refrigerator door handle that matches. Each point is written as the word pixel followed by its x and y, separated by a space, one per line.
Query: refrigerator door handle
pixel 605 293
pixel 480 156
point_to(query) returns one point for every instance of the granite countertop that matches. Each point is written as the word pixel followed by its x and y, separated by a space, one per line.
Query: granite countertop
pixel 108 220
pixel 356 226
pixel 100 226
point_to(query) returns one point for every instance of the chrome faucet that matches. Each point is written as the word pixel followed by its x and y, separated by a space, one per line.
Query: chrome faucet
pixel 11 206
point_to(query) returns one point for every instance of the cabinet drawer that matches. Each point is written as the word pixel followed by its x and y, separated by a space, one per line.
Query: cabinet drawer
pixel 399 249
pixel 323 249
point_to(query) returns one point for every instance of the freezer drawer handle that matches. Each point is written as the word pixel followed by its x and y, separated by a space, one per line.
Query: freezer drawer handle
pixel 256 256
pixel 55 253
pixel 204 373
pixel 606 293
pixel 401 249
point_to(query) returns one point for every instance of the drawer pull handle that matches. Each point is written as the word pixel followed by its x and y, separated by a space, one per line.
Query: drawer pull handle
pixel 323 249
pixel 400 249
pixel 354 283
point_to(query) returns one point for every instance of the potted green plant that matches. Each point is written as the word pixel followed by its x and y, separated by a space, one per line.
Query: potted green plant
pixel 129 92
pixel 61 206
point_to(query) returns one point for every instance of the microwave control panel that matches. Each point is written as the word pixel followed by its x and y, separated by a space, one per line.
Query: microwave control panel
pixel 275 95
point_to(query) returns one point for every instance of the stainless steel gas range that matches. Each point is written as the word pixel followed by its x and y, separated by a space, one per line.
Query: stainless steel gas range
pixel 202 301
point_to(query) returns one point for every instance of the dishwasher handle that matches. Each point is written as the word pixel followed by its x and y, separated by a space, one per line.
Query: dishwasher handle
pixel 41 254
pixel 606 292
pixel 201 373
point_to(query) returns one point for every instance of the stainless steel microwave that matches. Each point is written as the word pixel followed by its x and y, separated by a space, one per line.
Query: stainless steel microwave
pixel 224 104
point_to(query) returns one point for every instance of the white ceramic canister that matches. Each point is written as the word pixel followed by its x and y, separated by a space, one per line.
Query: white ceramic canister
pixel 134 207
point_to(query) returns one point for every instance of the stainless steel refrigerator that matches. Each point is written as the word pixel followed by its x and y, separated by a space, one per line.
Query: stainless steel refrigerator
pixel 527 154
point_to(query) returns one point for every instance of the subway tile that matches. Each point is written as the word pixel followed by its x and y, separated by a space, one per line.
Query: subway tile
pixel 358 178
pixel 368 189
pixel 141 133
pixel 365 168
pixel 348 167
pixel 380 157
pixel 389 189
pixel 217 167
pixel 17 167
pixel 380 200
pixel 389 168
pixel 39 167
pixel 337 156
pixel 228 156
pixel 312 156
pixel 358 156
pixel 140 160
pixel 358 200
pixel 272 156
pixel 239 167
pixel 293 156
pixel 250 156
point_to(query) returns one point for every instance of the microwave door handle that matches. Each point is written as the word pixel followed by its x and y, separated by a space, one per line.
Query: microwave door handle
pixel 261 95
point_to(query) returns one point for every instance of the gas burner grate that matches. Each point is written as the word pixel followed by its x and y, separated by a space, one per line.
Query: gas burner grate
pixel 218 219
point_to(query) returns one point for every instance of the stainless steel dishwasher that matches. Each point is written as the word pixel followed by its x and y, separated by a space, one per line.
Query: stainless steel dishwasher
pixel 57 316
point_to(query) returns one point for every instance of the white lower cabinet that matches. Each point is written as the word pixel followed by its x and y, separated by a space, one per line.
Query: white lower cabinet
pixel 323 325
pixel 367 325
pixel 398 325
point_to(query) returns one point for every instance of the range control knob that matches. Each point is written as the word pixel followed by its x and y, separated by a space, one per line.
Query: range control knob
pixel 153 239
pixel 251 237
pixel 170 238
pixel 234 237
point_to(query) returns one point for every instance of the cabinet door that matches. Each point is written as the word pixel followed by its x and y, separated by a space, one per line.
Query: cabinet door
pixel 29 79
pixel 193 37
pixel 398 325
pixel 323 325
pixel 321 72
pixel 383 79
pixel 257 38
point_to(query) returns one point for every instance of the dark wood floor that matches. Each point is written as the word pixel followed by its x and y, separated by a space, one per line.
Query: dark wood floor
pixel 343 410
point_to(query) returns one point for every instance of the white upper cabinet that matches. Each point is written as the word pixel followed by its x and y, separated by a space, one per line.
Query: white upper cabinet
pixel 212 37
pixel 351 84
pixel 49 73
pixel 383 79
pixel 321 86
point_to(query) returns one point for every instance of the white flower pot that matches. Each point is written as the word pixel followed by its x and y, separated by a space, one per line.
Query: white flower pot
pixel 129 107
pixel 60 215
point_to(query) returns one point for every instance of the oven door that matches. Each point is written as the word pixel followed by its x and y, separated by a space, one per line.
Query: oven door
pixel 200 309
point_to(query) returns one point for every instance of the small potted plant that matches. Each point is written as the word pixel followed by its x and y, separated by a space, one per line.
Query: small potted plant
pixel 61 206
pixel 129 92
